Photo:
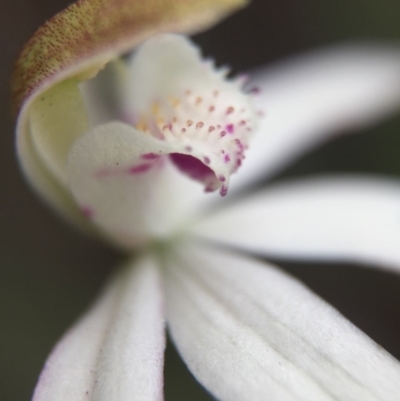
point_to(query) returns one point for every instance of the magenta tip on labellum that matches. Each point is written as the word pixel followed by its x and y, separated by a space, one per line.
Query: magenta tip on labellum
pixel 227 158
pixel 191 166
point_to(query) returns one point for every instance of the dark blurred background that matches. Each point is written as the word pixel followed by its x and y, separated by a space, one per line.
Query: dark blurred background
pixel 49 273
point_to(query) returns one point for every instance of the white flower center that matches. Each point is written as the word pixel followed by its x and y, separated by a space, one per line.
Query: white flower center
pixel 181 116
pixel 178 98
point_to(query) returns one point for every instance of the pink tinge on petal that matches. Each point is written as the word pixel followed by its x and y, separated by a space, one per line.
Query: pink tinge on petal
pixel 140 168
pixel 105 172
pixel 87 211
pixel 150 156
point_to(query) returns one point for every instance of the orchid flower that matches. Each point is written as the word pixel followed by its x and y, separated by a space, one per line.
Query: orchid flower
pixel 142 152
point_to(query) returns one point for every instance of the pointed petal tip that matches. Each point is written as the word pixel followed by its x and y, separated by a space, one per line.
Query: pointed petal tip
pixel 313 97
pixel 116 351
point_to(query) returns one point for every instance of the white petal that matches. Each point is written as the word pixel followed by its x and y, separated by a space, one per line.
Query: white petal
pixel 126 185
pixel 248 331
pixel 348 219
pixel 46 185
pixel 56 119
pixel 310 98
pixel 115 352
pixel 103 95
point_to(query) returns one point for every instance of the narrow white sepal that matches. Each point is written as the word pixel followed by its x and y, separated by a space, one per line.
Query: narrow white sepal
pixel 116 351
pixel 353 219
pixel 309 99
pixel 249 331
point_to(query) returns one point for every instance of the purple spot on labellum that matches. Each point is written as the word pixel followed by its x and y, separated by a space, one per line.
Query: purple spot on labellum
pixel 87 212
pixel 222 178
pixel 140 168
pixel 150 156
pixel 207 160
pixel 239 144
pixel 188 148
pixel 224 190
pixel 227 159
pixel 230 128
